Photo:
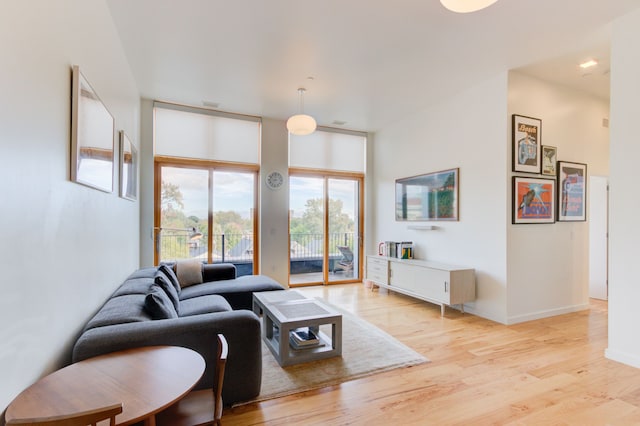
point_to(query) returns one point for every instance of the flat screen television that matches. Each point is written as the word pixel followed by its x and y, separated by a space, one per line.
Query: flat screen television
pixel 428 197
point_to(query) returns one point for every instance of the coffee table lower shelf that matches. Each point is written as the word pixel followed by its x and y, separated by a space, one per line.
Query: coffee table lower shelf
pixel 291 355
pixel 285 311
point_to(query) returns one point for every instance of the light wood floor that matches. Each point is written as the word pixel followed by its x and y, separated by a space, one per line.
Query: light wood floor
pixel 545 372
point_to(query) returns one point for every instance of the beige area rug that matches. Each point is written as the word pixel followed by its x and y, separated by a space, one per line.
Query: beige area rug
pixel 366 350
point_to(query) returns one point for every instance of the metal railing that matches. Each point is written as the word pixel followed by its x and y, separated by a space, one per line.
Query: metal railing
pixel 238 248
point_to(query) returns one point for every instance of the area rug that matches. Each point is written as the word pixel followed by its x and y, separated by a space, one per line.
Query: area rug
pixel 366 350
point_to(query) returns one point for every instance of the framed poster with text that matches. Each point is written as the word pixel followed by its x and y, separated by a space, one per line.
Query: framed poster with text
pixel 572 193
pixel 526 143
pixel 533 200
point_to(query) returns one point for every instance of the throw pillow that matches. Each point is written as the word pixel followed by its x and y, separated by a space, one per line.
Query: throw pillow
pixel 163 282
pixel 158 305
pixel 170 273
pixel 189 272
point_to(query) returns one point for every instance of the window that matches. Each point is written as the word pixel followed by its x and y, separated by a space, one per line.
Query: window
pixel 326 207
pixel 206 187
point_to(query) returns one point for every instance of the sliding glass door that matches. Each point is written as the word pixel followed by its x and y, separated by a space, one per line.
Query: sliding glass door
pixel 325 227
pixel 207 213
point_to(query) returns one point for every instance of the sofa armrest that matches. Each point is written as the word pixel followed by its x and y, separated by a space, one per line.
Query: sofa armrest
pixel 218 272
pixel 199 332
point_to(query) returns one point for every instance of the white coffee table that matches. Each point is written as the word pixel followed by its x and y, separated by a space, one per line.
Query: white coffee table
pixel 286 310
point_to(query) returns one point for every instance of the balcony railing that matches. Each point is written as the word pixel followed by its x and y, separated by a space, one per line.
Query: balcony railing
pixel 238 248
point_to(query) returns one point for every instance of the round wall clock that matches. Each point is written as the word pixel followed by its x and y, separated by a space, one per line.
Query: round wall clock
pixel 274 180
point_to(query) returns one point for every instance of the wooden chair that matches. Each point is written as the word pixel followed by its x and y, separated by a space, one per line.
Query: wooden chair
pixel 200 407
pixel 89 417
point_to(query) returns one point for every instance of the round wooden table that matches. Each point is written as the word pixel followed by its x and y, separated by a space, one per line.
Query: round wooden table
pixel 145 380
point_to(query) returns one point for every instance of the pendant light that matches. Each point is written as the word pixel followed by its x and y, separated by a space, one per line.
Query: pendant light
pixel 466 6
pixel 301 124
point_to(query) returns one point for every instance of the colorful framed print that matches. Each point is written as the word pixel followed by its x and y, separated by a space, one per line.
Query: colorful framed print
pixel 432 196
pixel 533 200
pixel 549 160
pixel 526 143
pixel 572 195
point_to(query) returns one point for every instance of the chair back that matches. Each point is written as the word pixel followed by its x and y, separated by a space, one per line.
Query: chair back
pixel 84 418
pixel 346 253
pixel 221 361
pixel 203 406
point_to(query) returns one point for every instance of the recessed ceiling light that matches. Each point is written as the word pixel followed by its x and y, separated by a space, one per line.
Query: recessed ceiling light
pixel 466 6
pixel 339 122
pixel 211 104
pixel 588 64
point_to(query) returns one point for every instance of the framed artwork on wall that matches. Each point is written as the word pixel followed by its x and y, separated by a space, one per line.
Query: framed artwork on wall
pixel 92 136
pixel 526 143
pixel 572 195
pixel 549 160
pixel 533 200
pixel 128 168
pixel 432 196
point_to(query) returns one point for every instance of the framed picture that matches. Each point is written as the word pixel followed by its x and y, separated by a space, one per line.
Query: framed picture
pixel 128 168
pixel 533 200
pixel 92 136
pixel 432 196
pixel 526 140
pixel 572 196
pixel 549 159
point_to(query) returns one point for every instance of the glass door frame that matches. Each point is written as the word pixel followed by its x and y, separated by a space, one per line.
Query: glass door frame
pixel 358 238
pixel 164 161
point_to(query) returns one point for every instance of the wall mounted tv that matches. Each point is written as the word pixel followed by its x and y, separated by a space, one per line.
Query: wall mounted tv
pixel 432 196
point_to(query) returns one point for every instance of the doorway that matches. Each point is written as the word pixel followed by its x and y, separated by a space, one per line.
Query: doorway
pixel 598 237
pixel 206 212
pixel 325 223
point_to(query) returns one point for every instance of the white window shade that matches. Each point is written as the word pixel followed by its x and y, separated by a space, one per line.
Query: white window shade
pixel 208 136
pixel 328 151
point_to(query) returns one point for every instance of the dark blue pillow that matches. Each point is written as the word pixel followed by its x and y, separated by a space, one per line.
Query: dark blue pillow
pixel 171 274
pixel 157 303
pixel 164 283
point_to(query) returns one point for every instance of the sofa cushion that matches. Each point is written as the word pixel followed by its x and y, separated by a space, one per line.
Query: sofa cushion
pixel 189 272
pixel 165 284
pixel 120 310
pixel 238 292
pixel 158 304
pixel 171 274
pixel 204 305
pixel 138 285
pixel 148 272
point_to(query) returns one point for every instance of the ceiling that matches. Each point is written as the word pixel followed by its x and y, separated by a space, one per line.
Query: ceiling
pixel 367 63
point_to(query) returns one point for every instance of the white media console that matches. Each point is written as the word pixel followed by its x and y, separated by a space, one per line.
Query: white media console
pixel 433 282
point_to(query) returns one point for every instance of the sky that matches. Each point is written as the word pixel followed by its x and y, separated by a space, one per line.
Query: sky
pixel 234 191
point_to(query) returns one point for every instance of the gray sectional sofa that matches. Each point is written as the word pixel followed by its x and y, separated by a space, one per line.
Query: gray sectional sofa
pixel 151 308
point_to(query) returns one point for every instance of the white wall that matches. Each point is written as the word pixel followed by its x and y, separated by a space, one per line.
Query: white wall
pixel 146 183
pixel 548 269
pixel 274 204
pixel 63 246
pixel 468 131
pixel 624 291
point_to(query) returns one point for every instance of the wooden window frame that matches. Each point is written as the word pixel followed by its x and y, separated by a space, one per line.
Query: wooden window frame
pixel 211 166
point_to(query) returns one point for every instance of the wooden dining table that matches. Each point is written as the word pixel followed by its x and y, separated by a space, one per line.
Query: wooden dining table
pixel 145 380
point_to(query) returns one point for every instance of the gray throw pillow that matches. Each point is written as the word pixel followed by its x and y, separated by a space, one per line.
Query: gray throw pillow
pixel 157 303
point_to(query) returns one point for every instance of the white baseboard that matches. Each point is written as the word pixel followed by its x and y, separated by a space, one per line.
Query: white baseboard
pixel 622 357
pixel 545 314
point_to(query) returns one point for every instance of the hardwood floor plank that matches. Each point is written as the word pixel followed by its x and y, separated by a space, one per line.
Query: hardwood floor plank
pixel 550 372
